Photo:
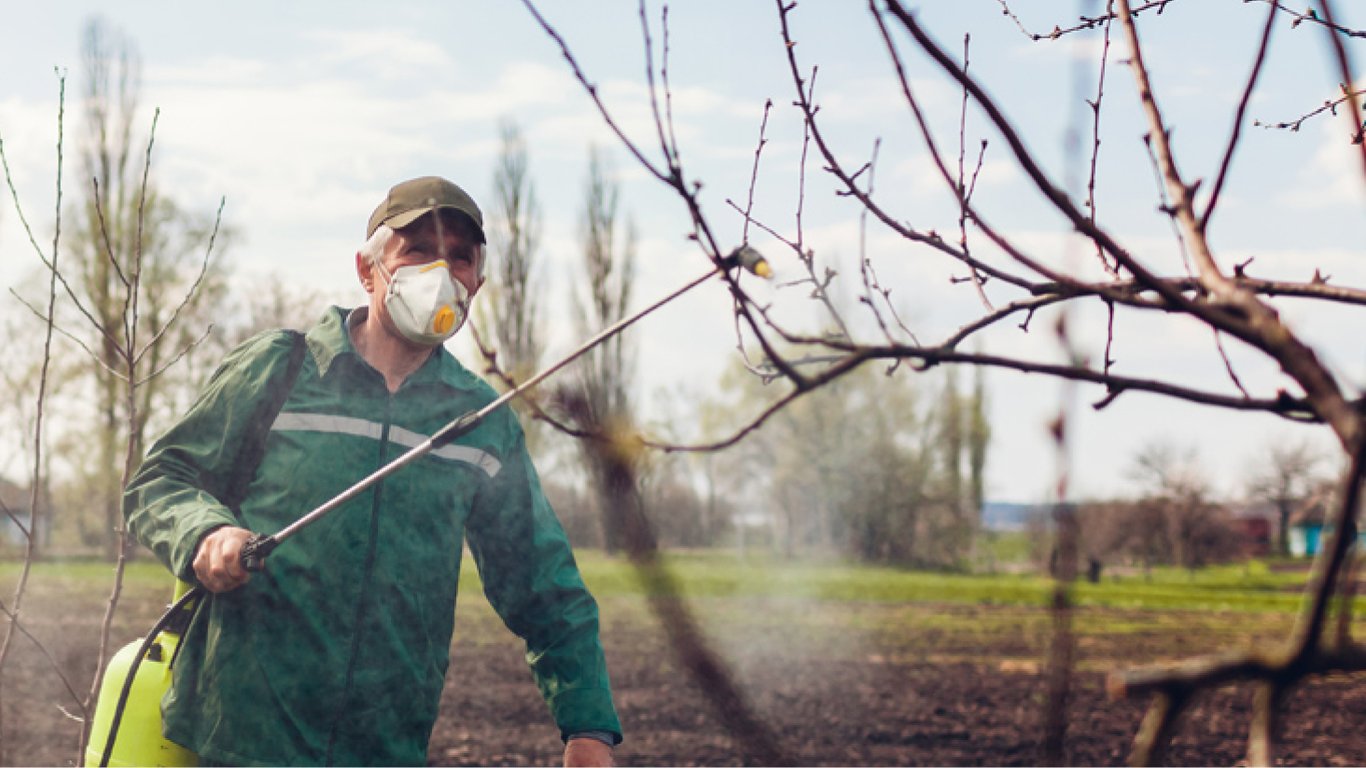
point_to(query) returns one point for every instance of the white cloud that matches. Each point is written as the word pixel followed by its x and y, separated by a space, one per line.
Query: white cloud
pixel 217 70
pixel 1334 175
pixel 391 54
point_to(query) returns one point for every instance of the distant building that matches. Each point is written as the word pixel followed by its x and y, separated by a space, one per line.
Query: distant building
pixel 14 505
pixel 1309 523
pixel 1256 524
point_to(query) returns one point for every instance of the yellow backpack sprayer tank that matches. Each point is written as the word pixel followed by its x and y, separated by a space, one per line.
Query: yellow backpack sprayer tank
pixel 127 725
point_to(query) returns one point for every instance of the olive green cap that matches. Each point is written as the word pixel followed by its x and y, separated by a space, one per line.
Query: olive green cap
pixel 409 200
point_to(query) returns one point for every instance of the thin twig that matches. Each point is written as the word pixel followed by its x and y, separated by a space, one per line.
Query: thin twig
pixel 849 181
pixel 1095 105
pixel 866 273
pixel 1040 180
pixel 1086 23
pixel 1345 69
pixel 665 146
pixel 965 191
pixel 16 625
pixel 1262 48
pixel 179 355
pixel 1328 106
pixel 592 90
pixel 875 285
pixel 69 335
pixel 109 250
pixel 1312 17
pixel 36 481
pixel 190 292
pixel 676 180
pixel 748 212
pixel 1108 360
pixel 808 257
pixel 668 91
pixel 1228 363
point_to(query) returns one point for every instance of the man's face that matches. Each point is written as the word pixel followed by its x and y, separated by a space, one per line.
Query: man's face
pixel 439 235
pixel 443 235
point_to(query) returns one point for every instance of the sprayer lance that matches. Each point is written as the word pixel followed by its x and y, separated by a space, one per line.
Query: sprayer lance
pixel 259 547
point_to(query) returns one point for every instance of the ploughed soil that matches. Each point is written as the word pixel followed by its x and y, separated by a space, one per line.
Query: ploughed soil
pixel 837 684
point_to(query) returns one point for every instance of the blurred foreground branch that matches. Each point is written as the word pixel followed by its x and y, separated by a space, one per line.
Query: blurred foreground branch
pixel 617 456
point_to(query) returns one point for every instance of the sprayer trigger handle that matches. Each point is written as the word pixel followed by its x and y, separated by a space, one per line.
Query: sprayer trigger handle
pixel 255 551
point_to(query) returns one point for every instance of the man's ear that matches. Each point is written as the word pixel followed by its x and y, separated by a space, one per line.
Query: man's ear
pixel 366 272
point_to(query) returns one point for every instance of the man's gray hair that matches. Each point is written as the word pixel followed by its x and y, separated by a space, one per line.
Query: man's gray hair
pixel 374 247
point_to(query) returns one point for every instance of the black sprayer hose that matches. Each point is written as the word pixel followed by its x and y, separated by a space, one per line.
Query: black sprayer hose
pixel 163 622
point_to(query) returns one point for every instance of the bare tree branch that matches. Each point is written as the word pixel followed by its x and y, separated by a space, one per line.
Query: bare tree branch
pixel 187 299
pixel 1328 106
pixel 1262 48
pixel 676 180
pixel 1254 322
pixel 1345 69
pixel 1312 17
pixel 1086 22
pixel 1095 106
pixel 16 625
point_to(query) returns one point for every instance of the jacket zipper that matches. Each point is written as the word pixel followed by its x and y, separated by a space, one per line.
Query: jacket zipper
pixel 362 603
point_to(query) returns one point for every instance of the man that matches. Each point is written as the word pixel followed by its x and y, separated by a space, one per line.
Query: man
pixel 336 653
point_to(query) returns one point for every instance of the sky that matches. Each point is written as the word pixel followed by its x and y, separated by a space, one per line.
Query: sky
pixel 299 116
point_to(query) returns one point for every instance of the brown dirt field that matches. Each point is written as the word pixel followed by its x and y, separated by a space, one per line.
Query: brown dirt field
pixel 864 684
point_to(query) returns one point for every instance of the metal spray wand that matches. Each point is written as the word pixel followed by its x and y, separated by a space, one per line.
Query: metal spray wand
pixel 255 551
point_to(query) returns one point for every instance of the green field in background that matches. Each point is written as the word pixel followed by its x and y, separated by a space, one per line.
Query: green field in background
pixel 1253 586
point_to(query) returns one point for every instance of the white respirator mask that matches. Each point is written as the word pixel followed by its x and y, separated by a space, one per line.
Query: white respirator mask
pixel 426 304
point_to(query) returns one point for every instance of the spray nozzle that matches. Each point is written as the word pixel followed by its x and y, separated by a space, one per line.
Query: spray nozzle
pixel 752 261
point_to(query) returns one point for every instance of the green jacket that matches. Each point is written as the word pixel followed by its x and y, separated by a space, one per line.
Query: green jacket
pixel 337 652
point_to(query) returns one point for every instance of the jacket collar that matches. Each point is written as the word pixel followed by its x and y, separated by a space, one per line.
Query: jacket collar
pixel 330 340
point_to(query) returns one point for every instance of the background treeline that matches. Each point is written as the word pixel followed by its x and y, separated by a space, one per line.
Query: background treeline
pixel 883 465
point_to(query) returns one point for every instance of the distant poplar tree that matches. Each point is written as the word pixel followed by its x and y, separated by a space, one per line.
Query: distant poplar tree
pixel 138 274
pixel 510 309
pixel 508 312
pixel 602 297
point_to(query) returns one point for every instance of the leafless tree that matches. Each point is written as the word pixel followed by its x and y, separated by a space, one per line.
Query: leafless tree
pixel 1014 279
pixel 135 255
pixel 13 610
pixel 602 297
pixel 120 294
pixel 1284 477
pixel 1175 498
